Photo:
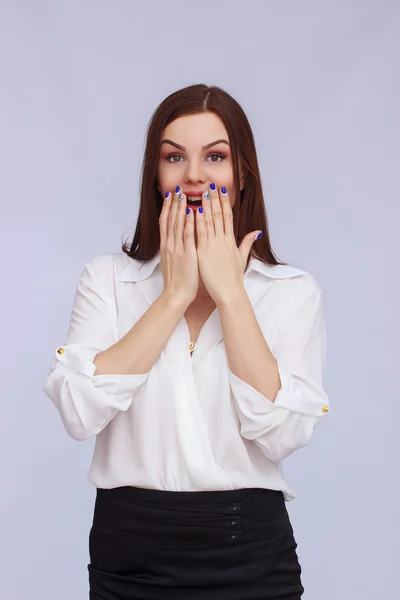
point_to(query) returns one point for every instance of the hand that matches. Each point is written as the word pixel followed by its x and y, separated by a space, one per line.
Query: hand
pixel 178 256
pixel 221 263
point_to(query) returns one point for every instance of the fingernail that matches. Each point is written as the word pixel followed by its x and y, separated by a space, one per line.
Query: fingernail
pixel 178 187
pixel 166 195
pixel 212 187
pixel 201 210
pixel 188 211
pixel 259 235
pixel 207 195
pixel 223 190
pixel 180 197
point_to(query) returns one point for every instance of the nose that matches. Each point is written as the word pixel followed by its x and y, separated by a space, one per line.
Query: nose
pixel 195 172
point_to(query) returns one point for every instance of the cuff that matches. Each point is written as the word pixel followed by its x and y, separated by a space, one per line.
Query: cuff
pixel 80 359
pixel 298 394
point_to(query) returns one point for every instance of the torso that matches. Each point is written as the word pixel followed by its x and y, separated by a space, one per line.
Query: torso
pixel 197 314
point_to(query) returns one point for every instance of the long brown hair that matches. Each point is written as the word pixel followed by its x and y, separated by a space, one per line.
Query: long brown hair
pixel 249 210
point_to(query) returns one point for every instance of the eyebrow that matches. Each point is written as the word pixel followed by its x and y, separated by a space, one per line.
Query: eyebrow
pixel 221 141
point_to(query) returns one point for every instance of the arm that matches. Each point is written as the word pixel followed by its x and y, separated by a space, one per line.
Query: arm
pixel 92 378
pixel 278 414
pixel 139 349
pixel 249 356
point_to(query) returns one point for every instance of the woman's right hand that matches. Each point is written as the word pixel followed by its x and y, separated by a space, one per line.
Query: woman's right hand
pixel 179 265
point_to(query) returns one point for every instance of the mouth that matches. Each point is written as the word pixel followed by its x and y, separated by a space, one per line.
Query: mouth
pixel 194 200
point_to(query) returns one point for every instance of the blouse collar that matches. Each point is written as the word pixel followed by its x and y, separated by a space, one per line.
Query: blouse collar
pixel 137 270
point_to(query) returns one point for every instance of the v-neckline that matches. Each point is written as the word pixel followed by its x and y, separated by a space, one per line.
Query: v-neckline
pixel 201 331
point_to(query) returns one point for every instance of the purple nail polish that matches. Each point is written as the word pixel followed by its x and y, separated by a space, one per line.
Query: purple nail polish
pixel 178 187
pixel 188 211
pixel 212 187
pixel 201 210
pixel 259 235
pixel 166 195
pixel 223 190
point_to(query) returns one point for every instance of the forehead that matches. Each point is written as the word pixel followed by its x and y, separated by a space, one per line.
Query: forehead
pixel 201 129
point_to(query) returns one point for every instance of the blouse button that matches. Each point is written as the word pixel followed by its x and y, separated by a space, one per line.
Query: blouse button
pixel 60 350
pixel 325 408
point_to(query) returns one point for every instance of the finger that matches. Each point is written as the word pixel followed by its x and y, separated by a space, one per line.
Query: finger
pixel 207 217
pixel 180 220
pixel 188 235
pixel 202 234
pixel 172 218
pixel 227 214
pixel 163 220
pixel 216 211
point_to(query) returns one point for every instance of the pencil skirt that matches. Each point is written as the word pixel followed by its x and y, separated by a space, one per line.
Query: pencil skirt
pixel 211 545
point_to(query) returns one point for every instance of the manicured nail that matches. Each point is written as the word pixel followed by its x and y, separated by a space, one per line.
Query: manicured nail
pixel 201 210
pixel 166 195
pixel 207 195
pixel 188 211
pixel 259 235
pixel 223 190
pixel 212 187
pixel 178 187
pixel 180 197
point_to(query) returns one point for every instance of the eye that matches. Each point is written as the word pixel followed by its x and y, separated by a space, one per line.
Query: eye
pixel 170 156
pixel 217 155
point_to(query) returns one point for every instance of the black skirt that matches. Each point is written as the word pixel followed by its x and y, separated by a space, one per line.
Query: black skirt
pixel 218 545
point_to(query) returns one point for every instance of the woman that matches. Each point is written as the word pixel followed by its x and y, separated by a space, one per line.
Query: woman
pixel 196 359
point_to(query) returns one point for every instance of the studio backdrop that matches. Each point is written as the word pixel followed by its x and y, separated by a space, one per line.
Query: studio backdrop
pixel 319 82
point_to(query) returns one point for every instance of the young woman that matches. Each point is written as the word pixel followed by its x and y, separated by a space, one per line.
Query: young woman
pixel 196 359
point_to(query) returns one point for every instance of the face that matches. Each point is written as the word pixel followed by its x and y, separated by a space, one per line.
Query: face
pixel 195 152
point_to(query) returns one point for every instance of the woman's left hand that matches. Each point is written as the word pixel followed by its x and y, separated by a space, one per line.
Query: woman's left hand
pixel 221 263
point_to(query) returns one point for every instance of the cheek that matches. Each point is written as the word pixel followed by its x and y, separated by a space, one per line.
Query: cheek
pixel 166 176
pixel 225 177
pixel 231 192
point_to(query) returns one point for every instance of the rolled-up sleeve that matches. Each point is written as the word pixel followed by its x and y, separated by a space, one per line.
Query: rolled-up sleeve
pixel 87 402
pixel 282 426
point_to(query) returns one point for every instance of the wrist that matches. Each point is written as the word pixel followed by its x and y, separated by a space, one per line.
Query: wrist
pixel 233 297
pixel 175 301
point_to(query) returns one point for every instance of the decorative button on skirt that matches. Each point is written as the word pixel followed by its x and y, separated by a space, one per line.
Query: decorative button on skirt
pixel 217 545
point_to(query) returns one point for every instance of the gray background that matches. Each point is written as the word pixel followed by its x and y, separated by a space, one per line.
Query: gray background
pixel 320 84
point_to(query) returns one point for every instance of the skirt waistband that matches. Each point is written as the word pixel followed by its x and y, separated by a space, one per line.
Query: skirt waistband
pixel 195 497
pixel 223 517
pixel 198 497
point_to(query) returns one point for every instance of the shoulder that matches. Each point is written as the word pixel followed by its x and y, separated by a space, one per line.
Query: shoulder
pixel 289 281
pixel 108 266
pixel 300 294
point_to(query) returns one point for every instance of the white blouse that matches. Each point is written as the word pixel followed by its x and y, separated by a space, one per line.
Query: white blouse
pixel 189 423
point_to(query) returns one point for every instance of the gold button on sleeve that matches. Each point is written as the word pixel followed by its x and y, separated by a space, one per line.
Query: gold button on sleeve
pixel 325 408
pixel 60 350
